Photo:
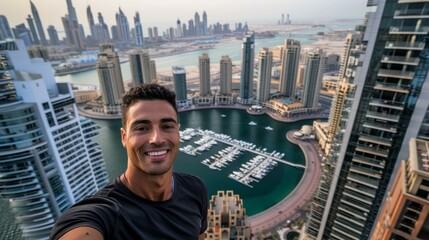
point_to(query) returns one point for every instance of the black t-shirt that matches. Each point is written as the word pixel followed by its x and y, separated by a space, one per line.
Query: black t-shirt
pixel 118 213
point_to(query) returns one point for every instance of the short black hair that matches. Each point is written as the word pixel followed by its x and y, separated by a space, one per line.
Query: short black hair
pixel 149 91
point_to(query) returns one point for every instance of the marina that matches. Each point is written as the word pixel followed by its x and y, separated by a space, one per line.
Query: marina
pixel 252 171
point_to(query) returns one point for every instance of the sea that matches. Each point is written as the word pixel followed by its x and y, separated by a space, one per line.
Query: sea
pixel 266 193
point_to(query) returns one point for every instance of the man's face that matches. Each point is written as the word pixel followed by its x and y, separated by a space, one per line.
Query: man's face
pixel 151 136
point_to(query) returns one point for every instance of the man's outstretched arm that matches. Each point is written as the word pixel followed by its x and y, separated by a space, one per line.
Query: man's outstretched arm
pixel 83 233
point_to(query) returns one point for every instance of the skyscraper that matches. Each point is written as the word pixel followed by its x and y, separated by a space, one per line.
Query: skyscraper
pixel 110 77
pixel 20 31
pixel 104 34
pixel 313 73
pixel 225 75
pixel 179 83
pixel 39 25
pixel 205 23
pixel 34 37
pixel 53 35
pixel 91 22
pixel 179 28
pixel 5 31
pixel 197 24
pixel 139 30
pixel 71 27
pixel 204 70
pixel 388 98
pixel 47 159
pixel 264 75
pixel 140 67
pixel 123 27
pixel 247 62
pixel 226 218
pixel 290 62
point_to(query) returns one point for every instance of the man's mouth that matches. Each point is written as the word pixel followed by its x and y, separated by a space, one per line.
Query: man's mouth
pixel 156 153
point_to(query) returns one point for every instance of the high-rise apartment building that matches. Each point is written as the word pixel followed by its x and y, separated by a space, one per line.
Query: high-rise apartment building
pixel 224 95
pixel 204 70
pixel 179 29
pixel 290 62
pixel 102 30
pixel 225 75
pixel 39 25
pixel 138 29
pixel 22 32
pixel 140 65
pixel 5 30
pixel 264 75
pixel 247 62
pixel 313 73
pixel 53 35
pixel 47 159
pixel 405 214
pixel 110 77
pixel 152 68
pixel 387 99
pixel 180 88
pixel 226 217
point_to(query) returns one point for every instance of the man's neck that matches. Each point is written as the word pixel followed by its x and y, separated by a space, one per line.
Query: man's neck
pixel 154 188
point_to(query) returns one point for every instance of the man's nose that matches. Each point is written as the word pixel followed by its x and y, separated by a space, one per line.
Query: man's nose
pixel 156 136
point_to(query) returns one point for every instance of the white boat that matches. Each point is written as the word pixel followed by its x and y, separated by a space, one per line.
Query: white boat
pixel 223 115
pixel 268 128
pixel 252 123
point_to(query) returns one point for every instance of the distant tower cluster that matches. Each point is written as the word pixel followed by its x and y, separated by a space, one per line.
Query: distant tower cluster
pixel 48 160
pixel 227 217
pixel 110 77
pixel 282 21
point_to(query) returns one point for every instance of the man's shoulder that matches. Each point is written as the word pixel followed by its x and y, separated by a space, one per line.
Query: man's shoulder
pixel 186 177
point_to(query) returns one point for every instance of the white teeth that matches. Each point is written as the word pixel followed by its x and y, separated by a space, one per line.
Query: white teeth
pixel 157 153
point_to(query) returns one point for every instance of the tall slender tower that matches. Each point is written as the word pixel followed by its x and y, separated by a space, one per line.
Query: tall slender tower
pixel 264 75
pixel 110 77
pixel 290 62
pixel 39 26
pixel 313 73
pixel 204 67
pixel 247 62
pixel 53 35
pixel 91 22
pixel 205 23
pixel 225 75
pixel 71 27
pixel 139 30
pixel 48 160
pixel 179 28
pixel 197 24
pixel 33 30
pixel 124 33
pixel 140 67
pixel 387 102
pixel 179 83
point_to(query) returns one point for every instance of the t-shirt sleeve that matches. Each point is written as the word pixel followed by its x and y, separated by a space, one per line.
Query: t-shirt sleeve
pixel 204 209
pixel 88 213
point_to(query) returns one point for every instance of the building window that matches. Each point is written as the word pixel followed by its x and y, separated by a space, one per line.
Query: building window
pixel 45 106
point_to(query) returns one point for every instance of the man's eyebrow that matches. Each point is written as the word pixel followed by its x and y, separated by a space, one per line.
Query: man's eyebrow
pixel 145 121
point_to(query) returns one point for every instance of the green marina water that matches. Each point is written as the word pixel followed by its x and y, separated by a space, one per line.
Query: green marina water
pixel 275 186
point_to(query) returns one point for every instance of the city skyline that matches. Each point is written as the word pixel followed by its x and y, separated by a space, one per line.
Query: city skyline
pixel 17 11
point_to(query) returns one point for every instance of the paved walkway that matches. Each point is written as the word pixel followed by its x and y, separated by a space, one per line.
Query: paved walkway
pixel 290 206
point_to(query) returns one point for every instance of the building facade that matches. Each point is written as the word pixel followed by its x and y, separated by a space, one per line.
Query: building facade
pixel 180 88
pixel 313 73
pixel 227 217
pixel 247 67
pixel 389 80
pixel 264 75
pixel 140 65
pixel 290 62
pixel 47 159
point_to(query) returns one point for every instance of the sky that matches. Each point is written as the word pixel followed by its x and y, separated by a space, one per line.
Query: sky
pixel 164 13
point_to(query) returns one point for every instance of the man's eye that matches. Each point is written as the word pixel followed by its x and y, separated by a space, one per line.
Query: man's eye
pixel 141 128
pixel 169 127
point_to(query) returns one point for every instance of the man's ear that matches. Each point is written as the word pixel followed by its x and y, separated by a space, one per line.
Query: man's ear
pixel 124 137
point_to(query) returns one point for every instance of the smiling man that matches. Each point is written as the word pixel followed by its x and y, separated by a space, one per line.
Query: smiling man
pixel 149 200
